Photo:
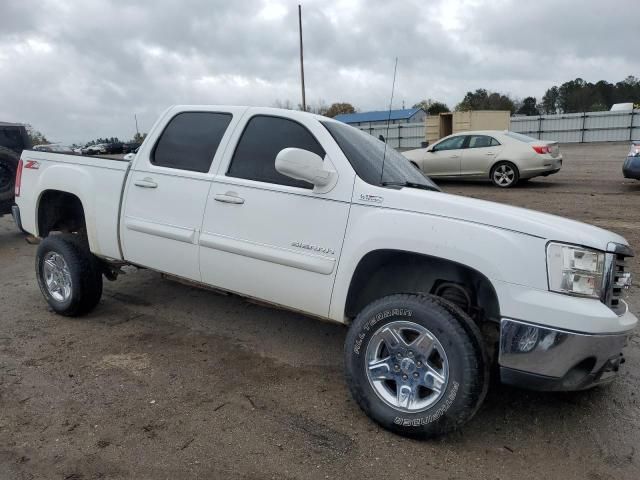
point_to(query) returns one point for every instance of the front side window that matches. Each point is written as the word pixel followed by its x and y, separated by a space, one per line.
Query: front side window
pixel 190 140
pixel 453 143
pixel 263 138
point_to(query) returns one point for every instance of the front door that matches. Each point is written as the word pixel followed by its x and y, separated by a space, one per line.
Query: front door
pixel 266 235
pixel 167 192
pixel 443 160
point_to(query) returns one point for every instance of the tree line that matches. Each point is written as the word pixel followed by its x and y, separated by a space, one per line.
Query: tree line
pixel 574 96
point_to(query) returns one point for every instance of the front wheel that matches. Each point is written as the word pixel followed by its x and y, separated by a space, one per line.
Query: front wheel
pixel 415 364
pixel 505 175
pixel 68 274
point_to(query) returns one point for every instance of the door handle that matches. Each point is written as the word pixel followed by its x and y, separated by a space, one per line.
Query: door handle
pixel 145 183
pixel 454 156
pixel 490 153
pixel 229 197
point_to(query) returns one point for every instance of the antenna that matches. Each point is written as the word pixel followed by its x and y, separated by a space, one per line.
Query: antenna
pixel 393 86
pixel 304 102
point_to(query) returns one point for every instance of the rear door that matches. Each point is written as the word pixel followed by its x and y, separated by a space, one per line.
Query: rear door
pixel 444 159
pixel 167 189
pixel 479 155
pixel 266 235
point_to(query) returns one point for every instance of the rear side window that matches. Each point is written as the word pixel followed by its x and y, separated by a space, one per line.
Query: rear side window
pixel 190 140
pixel 482 141
pixel 11 137
pixel 263 138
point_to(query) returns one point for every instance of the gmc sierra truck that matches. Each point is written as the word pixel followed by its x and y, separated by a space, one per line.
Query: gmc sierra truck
pixel 313 215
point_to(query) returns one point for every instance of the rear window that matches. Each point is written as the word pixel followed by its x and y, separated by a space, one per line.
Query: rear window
pixel 190 140
pixel 521 137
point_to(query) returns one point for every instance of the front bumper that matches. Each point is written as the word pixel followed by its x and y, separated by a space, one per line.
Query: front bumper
pixel 543 358
pixel 631 168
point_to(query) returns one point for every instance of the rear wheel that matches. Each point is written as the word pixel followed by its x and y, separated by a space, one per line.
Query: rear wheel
pixel 504 174
pixel 415 364
pixel 69 275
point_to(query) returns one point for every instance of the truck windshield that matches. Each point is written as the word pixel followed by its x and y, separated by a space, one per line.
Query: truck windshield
pixel 365 153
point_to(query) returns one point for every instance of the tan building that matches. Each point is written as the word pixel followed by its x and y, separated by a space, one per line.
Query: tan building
pixel 439 126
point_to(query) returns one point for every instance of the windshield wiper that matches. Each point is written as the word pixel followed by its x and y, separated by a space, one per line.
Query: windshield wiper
pixel 410 185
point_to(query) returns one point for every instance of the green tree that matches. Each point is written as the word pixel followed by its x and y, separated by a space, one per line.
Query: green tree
pixel 482 99
pixel 36 137
pixel 339 108
pixel 528 107
pixel 432 107
pixel 550 101
pixel 139 137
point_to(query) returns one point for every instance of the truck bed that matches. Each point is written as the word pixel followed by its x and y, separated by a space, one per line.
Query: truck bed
pixel 98 181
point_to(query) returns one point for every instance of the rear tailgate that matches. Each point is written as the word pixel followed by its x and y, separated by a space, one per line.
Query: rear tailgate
pixel 96 182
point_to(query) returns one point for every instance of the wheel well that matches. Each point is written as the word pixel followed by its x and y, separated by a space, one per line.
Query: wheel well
pixel 61 212
pixel 386 272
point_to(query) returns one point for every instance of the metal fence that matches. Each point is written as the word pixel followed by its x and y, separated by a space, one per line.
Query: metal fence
pixel 401 136
pixel 581 127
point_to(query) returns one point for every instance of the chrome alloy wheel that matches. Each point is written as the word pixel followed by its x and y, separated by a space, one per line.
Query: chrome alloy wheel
pixel 57 276
pixel 407 366
pixel 504 175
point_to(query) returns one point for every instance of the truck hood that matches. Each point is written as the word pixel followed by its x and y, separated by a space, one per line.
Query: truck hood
pixel 521 220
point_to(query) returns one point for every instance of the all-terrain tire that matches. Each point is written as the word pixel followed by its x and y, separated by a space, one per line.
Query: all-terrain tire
pixel 82 271
pixel 8 166
pixel 467 373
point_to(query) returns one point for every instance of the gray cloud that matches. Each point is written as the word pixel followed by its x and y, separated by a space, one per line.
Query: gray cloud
pixel 77 70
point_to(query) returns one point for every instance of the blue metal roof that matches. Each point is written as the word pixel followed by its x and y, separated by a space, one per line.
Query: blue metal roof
pixel 377 116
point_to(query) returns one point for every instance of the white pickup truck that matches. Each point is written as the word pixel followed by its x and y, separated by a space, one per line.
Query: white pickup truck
pixel 310 214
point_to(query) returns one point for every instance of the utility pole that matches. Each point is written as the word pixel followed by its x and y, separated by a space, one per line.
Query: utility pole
pixel 304 102
pixel 137 131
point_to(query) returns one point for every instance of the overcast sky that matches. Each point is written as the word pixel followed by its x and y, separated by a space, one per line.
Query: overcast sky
pixel 77 70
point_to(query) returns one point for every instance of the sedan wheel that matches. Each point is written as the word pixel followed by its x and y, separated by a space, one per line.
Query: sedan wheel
pixel 504 175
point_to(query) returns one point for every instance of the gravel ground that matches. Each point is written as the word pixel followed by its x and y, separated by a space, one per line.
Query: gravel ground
pixel 164 380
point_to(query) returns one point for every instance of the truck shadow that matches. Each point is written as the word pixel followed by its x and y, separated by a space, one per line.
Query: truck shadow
pixel 305 345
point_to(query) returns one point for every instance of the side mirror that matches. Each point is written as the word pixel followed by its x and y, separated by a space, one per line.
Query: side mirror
pixel 431 148
pixel 304 165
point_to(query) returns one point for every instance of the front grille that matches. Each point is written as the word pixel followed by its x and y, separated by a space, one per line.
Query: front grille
pixel 615 285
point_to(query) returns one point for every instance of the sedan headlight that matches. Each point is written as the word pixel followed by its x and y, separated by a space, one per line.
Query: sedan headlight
pixel 575 270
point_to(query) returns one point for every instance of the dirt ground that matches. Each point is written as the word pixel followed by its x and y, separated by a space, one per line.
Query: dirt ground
pixel 165 381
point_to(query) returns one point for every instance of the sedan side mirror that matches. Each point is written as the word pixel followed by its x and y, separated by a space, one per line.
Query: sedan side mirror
pixel 305 165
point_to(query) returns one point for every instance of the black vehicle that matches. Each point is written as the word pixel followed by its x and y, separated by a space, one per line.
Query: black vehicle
pixel 113 148
pixel 130 147
pixel 13 139
pixel 631 166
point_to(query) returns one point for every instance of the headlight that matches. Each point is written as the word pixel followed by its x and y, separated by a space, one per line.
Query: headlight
pixel 575 270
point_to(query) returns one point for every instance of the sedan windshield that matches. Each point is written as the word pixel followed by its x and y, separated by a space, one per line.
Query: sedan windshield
pixel 366 154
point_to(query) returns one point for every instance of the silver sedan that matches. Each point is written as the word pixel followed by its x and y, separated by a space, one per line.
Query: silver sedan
pixel 503 157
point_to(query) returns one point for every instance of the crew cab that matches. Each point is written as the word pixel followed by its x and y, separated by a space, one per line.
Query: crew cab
pixel 313 215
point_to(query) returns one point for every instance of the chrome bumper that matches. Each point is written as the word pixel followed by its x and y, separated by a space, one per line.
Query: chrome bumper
pixel 541 358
